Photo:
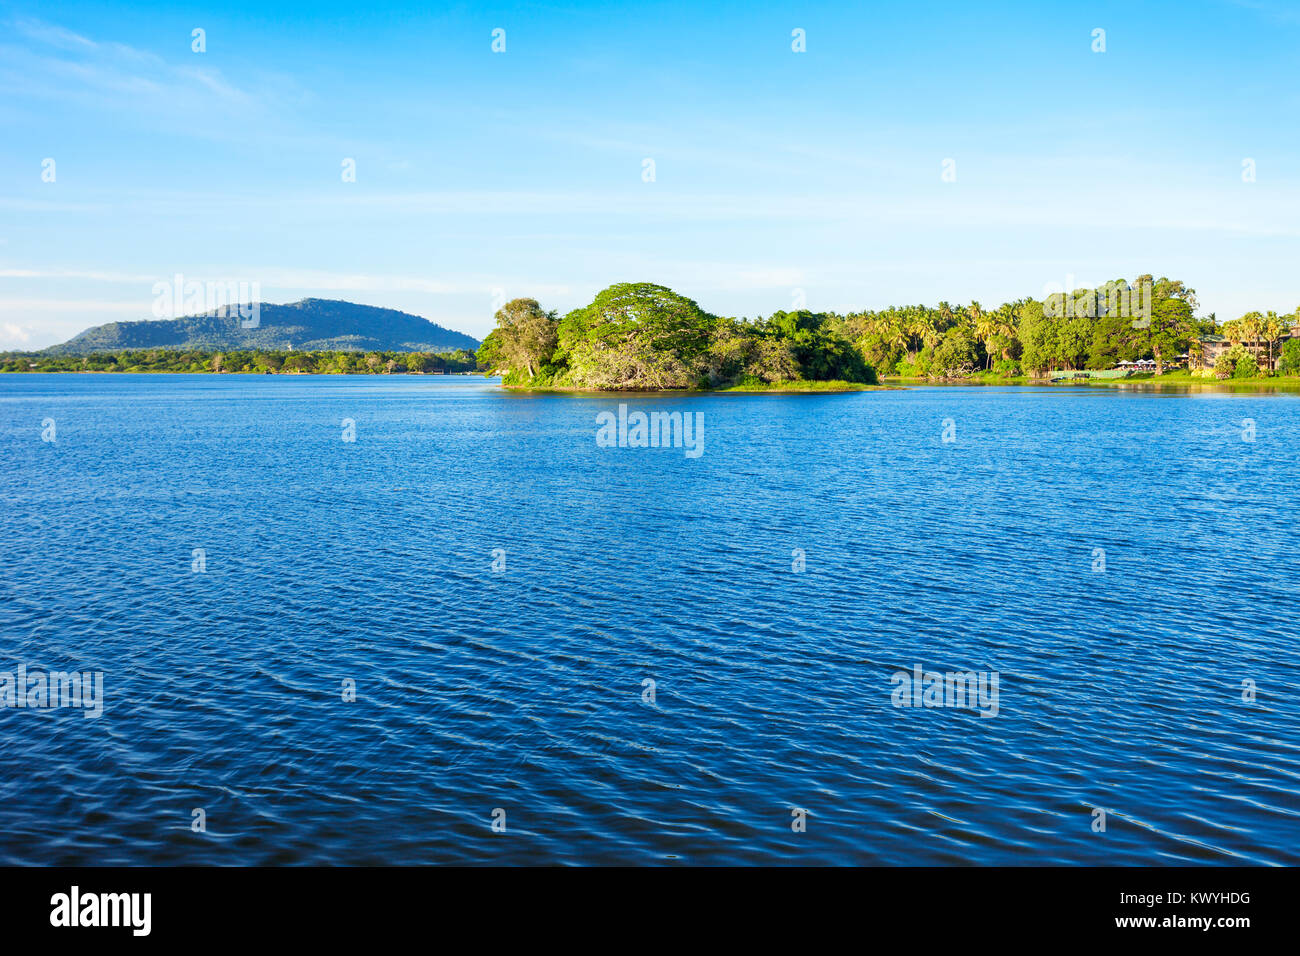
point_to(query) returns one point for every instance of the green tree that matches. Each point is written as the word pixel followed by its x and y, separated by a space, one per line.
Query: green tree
pixel 1037 333
pixel 955 355
pixel 1225 366
pixel 1271 329
pixel 1171 322
pixel 527 335
pixel 818 346
pixel 637 335
pixel 1289 360
pixel 489 356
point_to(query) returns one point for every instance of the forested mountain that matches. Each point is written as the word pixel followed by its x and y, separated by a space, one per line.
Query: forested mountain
pixel 312 324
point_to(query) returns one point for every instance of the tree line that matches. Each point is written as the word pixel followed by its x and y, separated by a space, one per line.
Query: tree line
pixel 256 361
pixel 645 336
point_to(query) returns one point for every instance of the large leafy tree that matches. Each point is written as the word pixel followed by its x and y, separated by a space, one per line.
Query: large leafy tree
pixel 526 335
pixel 1171 323
pixel 637 335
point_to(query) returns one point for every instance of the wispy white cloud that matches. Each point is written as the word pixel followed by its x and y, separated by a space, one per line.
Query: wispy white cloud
pixel 53 35
pixel 55 64
pixel 11 332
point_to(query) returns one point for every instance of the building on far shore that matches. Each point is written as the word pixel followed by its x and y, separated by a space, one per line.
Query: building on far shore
pixel 1212 346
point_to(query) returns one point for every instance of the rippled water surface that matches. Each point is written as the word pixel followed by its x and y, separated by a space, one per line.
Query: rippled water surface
pixel 524 690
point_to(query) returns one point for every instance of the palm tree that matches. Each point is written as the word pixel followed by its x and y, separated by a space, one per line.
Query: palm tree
pixel 946 313
pixel 894 335
pixel 1271 329
pixel 930 333
pixel 1252 328
pixel 890 329
pixel 986 328
pixel 1005 327
pixel 914 324
pixel 1232 331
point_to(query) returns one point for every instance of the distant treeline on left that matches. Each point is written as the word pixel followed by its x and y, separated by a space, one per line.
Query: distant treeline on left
pixel 257 362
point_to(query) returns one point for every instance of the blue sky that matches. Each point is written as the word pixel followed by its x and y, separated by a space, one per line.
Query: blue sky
pixel 777 174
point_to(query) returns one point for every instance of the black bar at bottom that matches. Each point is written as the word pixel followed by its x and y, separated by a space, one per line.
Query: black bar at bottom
pixel 332 906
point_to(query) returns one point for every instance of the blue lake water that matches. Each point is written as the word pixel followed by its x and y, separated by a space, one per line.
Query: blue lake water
pixel 523 687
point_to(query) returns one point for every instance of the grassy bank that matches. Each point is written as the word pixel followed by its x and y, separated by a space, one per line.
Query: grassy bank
pixel 1184 379
pixel 764 388
pixel 799 388
pixel 1178 379
pixel 981 378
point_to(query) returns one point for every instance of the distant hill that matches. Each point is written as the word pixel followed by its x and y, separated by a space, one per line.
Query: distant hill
pixel 306 325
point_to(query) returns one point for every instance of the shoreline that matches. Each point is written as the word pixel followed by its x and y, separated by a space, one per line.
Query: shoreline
pixel 731 390
pixel 1143 381
pixel 1180 382
pixel 164 371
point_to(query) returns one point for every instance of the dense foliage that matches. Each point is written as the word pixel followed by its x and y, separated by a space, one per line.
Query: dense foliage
pixel 639 336
pixel 1084 329
pixel 1262 328
pixel 1289 363
pixel 257 361
pixel 642 336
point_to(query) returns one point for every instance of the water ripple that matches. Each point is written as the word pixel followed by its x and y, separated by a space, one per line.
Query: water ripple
pixel 526 687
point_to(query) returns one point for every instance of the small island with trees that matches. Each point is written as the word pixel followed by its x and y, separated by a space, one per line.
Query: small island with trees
pixel 645 337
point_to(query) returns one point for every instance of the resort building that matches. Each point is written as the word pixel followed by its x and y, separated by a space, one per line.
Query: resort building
pixel 1212 346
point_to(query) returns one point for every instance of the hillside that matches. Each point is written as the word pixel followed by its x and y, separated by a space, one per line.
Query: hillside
pixel 307 325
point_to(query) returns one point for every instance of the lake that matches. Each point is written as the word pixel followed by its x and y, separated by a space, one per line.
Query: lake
pixel 562 653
